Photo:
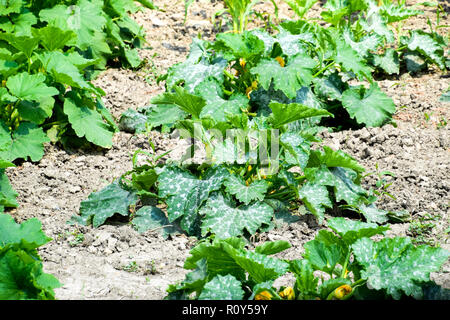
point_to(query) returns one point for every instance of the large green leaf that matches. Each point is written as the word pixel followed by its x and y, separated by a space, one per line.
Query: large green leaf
pixel 187 102
pixel 323 256
pixel 22 277
pixel 371 107
pixel 53 38
pixel 7 193
pixel 305 282
pixel 10 6
pixel 152 218
pixel 216 106
pixel 428 46
pixel 219 260
pixel 63 70
pixel 260 267
pixel 165 114
pixel 103 204
pixel 87 122
pixel 222 288
pixel 272 247
pixel 191 73
pixel 186 193
pixel 351 230
pixel 30 87
pixel 316 198
pixel 298 149
pixel 350 60
pixel 27 141
pixel 389 61
pixel 289 78
pixel 246 194
pixel 286 113
pixel 28 234
pixel 396 265
pixel 224 220
pixel 36 112
pixel 239 45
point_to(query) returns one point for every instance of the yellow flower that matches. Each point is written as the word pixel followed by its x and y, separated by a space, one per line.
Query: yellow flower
pixel 287 294
pixel 280 61
pixel 251 88
pixel 342 291
pixel 242 62
pixel 263 295
pixel 249 168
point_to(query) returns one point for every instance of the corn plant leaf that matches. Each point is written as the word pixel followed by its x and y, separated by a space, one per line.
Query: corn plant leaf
pixel 371 107
pixel 235 185
pixel 222 288
pixel 396 265
pixel 103 204
pixel 224 220
pixel 295 74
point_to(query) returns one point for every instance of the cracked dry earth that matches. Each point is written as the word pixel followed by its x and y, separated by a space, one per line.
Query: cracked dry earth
pixel 116 262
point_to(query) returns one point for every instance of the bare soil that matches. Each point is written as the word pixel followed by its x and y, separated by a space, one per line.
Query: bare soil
pixel 116 262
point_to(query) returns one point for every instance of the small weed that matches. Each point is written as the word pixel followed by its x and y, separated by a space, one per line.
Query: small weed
pixel 131 267
pixel 421 230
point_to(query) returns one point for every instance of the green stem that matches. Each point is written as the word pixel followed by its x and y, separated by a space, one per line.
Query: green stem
pixel 323 69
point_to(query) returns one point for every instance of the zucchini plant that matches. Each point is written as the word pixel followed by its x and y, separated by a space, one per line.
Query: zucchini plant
pixel 341 263
pixel 21 273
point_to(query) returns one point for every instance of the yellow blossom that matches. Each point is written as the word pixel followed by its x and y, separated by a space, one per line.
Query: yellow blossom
pixel 263 295
pixel 242 62
pixel 287 294
pixel 280 61
pixel 342 291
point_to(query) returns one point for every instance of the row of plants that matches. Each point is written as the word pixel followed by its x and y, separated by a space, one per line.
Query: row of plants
pixel 253 103
pixel 49 53
pixel 278 89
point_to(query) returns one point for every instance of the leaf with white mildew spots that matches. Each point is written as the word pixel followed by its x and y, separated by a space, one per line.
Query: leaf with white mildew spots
pixel 185 192
pixel 225 220
pixel 222 288
pixel 246 194
pixel 396 265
